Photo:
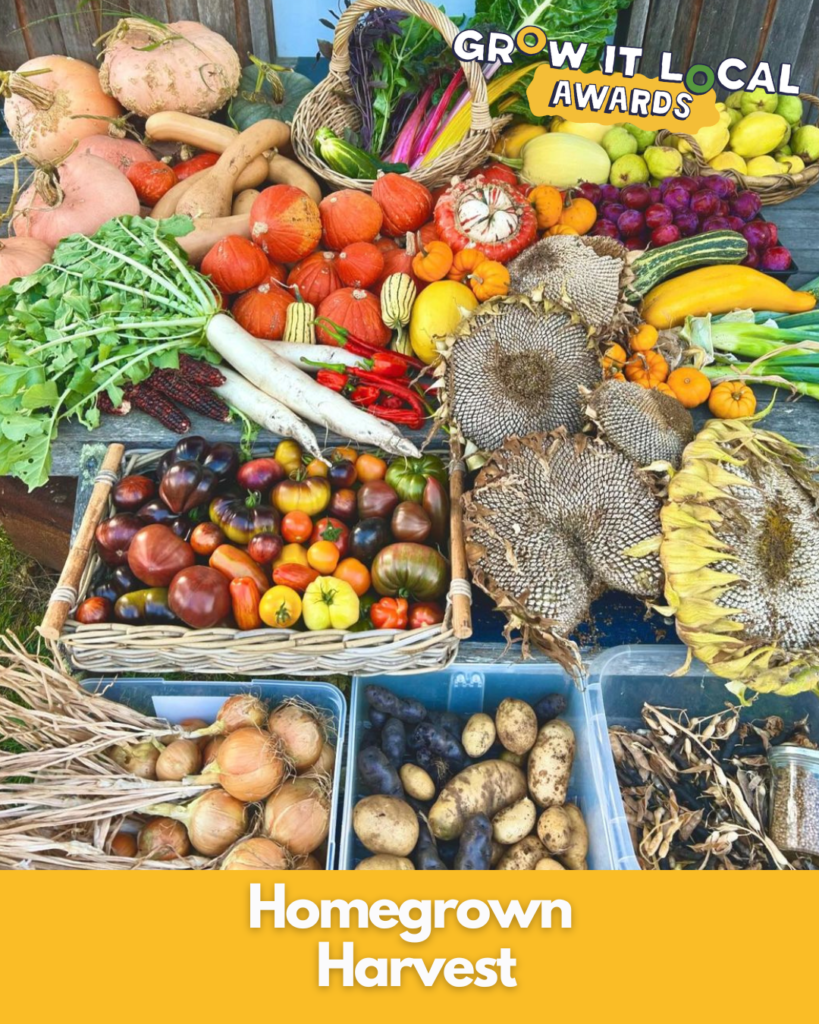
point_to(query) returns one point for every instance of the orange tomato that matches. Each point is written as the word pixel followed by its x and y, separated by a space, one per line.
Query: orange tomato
pixel 370 467
pixel 323 557
pixel 294 553
pixel 296 527
pixel 317 468
pixel 355 573
pixel 344 453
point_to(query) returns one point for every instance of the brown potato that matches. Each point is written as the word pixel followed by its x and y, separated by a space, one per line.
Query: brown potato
pixel 384 862
pixel 483 788
pixel 554 829
pixel 575 856
pixel 514 823
pixel 516 723
pixel 550 763
pixel 478 735
pixel 523 856
pixel 386 824
pixel 416 782
pixel 547 864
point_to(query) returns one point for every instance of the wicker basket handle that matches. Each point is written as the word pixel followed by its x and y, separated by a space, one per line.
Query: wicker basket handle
pixel 460 591
pixel 340 63
pixel 64 596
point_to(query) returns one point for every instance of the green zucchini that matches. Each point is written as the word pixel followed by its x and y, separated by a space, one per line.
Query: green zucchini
pixel 657 265
pixel 350 160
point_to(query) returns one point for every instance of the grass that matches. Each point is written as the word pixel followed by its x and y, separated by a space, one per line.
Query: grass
pixel 25 587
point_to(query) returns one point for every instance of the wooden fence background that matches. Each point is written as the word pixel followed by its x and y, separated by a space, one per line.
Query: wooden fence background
pixel 696 31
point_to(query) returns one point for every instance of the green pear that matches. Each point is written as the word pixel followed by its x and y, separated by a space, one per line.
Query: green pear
pixel 782 152
pixel 629 170
pixel 735 99
pixel 758 99
pixel 618 142
pixel 644 138
pixel 790 107
pixel 805 143
pixel 663 161
pixel 735 114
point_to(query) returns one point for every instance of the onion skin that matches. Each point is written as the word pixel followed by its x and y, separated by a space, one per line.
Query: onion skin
pixel 240 711
pixel 308 863
pixel 250 764
pixel 163 839
pixel 258 854
pixel 139 760
pixel 216 821
pixel 299 732
pixel 124 844
pixel 297 816
pixel 177 760
pixel 325 765
pixel 210 751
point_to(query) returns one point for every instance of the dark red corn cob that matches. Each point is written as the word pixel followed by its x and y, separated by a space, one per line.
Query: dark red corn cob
pixel 104 404
pixel 148 399
pixel 199 372
pixel 174 384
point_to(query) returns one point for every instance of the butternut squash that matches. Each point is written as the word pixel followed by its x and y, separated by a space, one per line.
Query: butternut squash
pixel 283 171
pixel 212 196
pixel 720 289
pixel 208 232
pixel 244 201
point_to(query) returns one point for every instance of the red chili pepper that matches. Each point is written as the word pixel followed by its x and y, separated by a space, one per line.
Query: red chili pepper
pixel 392 402
pixel 365 395
pixel 406 417
pixel 388 364
pixel 342 337
pixel 333 380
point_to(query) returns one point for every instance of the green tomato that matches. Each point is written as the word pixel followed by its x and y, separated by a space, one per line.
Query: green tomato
pixel 408 477
pixel 414 571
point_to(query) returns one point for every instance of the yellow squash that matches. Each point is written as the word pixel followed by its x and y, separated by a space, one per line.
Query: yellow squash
pixel 437 312
pixel 720 290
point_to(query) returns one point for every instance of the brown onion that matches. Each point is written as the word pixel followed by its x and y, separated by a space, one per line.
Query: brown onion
pixel 124 844
pixel 238 712
pixel 250 764
pixel 326 761
pixel 308 863
pixel 163 839
pixel 211 749
pixel 215 820
pixel 300 732
pixel 297 815
pixel 178 759
pixel 257 854
pixel 139 759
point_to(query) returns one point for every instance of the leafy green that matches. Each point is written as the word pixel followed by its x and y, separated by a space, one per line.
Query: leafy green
pixel 105 312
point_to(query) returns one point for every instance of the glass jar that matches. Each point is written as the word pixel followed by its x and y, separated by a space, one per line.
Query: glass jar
pixel 794 821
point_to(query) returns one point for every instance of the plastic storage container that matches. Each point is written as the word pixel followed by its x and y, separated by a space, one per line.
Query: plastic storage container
pixel 623 679
pixel 176 700
pixel 794 821
pixel 467 689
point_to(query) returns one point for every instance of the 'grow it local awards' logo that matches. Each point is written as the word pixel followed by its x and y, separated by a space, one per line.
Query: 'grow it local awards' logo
pixel 674 101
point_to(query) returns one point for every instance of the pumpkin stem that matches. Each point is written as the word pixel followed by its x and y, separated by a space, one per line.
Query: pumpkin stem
pixel 47 186
pixel 158 31
pixel 270 73
pixel 14 83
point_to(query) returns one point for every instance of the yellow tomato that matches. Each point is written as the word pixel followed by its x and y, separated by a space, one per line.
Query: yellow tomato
pixel 330 603
pixel 317 468
pixel 323 557
pixel 292 553
pixel 350 454
pixel 355 573
pixel 280 607
pixel 370 467
pixel 288 454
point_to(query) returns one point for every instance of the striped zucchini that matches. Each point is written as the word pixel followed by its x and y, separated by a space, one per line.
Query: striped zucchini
pixel 656 265
pixel 343 157
pixel 299 324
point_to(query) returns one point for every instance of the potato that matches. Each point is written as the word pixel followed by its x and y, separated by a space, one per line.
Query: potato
pixel 518 759
pixel 575 856
pixel 483 788
pixel 523 855
pixel 516 723
pixel 478 735
pixel 386 824
pixel 383 862
pixel 514 823
pixel 416 782
pixel 547 864
pixel 550 763
pixel 498 850
pixel 554 829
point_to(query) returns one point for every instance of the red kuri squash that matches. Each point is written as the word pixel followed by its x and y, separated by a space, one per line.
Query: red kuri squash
pixel 357 311
pixel 263 310
pixel 360 265
pixel 316 277
pixel 278 271
pixel 348 217
pixel 234 265
pixel 399 261
pixel 285 222
pixel 406 204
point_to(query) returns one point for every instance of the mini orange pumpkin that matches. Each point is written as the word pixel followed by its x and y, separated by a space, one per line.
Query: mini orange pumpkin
pixel 548 204
pixel 562 229
pixel 433 262
pixel 489 280
pixel 614 359
pixel 664 389
pixel 643 339
pixel 732 400
pixel 579 214
pixel 690 386
pixel 646 369
pixel 464 265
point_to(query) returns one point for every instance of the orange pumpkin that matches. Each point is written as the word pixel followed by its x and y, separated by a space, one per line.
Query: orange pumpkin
pixel 357 311
pixel 384 244
pixel 360 264
pixel 464 265
pixel 664 389
pixel 278 271
pixel 489 280
pixel 644 338
pixel 262 311
pixel 690 386
pixel 562 229
pixel 428 233
pixel 406 204
pixel 285 222
pixel 349 216
pixel 316 277
pixel 548 204
pixel 234 264
pixel 732 400
pixel 614 359
pixel 646 369
pixel 579 214
pixel 617 376
pixel 399 261
pixel 433 262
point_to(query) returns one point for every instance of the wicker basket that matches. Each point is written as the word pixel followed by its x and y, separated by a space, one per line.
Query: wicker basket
pixel 330 105
pixel 778 188
pixel 113 647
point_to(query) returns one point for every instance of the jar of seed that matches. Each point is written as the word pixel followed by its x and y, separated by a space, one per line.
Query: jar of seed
pixel 794 823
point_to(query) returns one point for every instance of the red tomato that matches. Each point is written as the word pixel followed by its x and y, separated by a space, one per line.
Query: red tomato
pixel 333 530
pixel 427 614
pixel 297 527
pixel 196 163
pixel 389 613
pixel 151 180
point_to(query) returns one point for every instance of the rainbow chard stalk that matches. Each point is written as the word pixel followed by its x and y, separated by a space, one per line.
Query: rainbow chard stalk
pixel 404 143
pixel 433 122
